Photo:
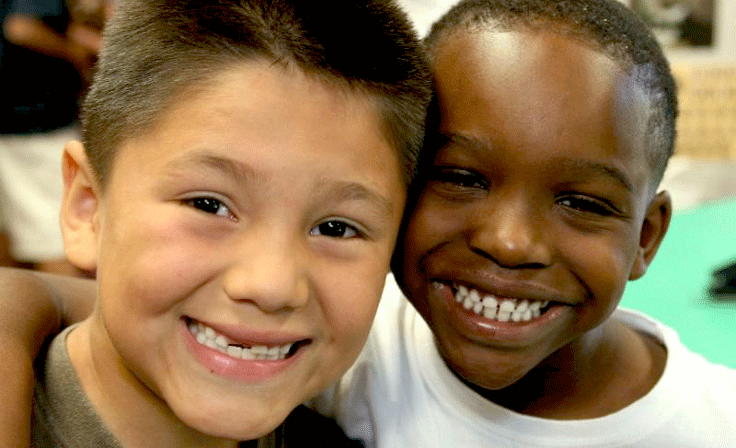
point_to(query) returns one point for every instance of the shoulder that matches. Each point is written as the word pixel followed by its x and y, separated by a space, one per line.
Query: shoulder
pixel 306 428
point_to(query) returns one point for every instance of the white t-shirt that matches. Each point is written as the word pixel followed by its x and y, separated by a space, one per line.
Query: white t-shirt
pixel 401 394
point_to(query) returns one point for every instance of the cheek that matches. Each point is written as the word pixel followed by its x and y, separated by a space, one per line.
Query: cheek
pixel 151 263
pixel 429 227
pixel 603 265
pixel 348 301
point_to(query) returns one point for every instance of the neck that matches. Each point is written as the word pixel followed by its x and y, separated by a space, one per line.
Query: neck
pixel 133 412
pixel 600 373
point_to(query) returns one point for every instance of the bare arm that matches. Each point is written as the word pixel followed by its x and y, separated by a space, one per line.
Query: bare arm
pixel 33 307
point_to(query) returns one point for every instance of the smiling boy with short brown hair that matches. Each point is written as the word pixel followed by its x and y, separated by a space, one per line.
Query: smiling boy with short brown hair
pixel 238 196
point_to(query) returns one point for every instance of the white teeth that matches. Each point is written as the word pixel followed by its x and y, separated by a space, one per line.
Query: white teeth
pixel 474 295
pixel 208 337
pixel 522 306
pixel 507 306
pixel 489 312
pixel 221 342
pixel 490 302
pixel 503 310
pixel 516 316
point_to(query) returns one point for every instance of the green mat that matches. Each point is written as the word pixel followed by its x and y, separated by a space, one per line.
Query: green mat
pixel 675 289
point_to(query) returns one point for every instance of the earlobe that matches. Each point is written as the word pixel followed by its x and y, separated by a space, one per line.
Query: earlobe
pixel 653 229
pixel 79 208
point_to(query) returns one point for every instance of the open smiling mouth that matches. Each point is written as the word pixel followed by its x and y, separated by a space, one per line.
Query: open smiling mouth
pixel 500 309
pixel 240 350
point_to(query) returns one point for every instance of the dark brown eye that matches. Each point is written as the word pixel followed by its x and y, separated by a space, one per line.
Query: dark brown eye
pixel 334 229
pixel 585 204
pixel 459 177
pixel 209 205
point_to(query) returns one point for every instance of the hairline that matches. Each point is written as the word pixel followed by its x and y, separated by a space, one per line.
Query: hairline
pixel 199 79
pixel 621 58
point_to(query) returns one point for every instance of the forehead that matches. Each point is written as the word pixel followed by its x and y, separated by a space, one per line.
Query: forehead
pixel 265 115
pixel 536 88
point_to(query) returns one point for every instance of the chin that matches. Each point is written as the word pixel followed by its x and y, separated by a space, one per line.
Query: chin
pixel 485 381
pixel 488 373
pixel 240 423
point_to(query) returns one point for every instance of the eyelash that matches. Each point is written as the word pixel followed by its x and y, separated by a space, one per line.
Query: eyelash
pixel 586 205
pixel 335 225
pixel 331 228
pixel 209 205
pixel 459 177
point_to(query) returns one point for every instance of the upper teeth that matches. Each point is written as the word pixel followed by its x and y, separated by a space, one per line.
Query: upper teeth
pixel 209 337
pixel 503 310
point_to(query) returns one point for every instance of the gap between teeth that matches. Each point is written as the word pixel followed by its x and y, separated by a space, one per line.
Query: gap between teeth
pixel 503 310
pixel 208 337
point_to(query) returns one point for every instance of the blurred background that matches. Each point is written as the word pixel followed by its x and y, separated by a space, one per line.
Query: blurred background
pixel 48 50
pixel 47 54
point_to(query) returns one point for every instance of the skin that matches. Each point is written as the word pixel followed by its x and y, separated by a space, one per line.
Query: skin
pixel 253 210
pixel 540 115
pixel 539 191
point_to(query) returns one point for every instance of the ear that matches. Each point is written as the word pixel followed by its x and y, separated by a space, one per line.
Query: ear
pixel 80 208
pixel 653 229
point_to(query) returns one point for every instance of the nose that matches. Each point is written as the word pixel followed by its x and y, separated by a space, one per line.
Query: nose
pixel 510 230
pixel 269 270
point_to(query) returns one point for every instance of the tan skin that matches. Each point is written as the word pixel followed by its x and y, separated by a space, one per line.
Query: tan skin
pixel 585 366
pixel 39 315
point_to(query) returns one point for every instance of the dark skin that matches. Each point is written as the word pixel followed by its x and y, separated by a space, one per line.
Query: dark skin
pixel 540 192
pixel 554 389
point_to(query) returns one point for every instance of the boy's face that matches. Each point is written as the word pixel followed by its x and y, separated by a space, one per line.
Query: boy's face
pixel 538 207
pixel 241 246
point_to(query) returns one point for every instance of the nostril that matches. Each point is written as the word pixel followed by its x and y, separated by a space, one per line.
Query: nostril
pixel 511 259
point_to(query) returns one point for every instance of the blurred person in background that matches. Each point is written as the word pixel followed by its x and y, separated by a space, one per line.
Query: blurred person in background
pixel 47 53
pixel 678 22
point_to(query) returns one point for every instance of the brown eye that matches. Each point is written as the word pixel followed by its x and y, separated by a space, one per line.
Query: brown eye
pixel 334 229
pixel 209 205
pixel 459 177
pixel 585 204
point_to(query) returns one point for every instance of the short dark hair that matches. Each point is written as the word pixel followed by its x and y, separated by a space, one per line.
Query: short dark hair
pixel 609 27
pixel 154 49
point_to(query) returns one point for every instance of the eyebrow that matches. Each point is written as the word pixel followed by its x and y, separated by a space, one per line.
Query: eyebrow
pixel 592 167
pixel 472 143
pixel 335 190
pixel 236 170
pixel 576 165
pixel 346 191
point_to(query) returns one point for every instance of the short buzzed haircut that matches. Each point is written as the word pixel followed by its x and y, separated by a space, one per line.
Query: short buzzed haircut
pixel 155 49
pixel 606 25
